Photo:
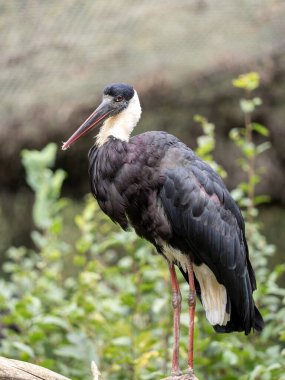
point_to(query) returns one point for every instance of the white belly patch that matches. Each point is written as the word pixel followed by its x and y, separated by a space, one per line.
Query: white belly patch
pixel 213 294
pixel 175 256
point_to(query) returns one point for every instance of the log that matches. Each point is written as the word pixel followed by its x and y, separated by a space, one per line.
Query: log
pixel 11 369
pixel 187 376
pixel 182 377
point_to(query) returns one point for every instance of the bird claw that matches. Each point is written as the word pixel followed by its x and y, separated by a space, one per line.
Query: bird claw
pixel 176 374
pixel 190 371
pixel 189 375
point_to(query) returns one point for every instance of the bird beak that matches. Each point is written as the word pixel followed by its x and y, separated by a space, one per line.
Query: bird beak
pixel 97 117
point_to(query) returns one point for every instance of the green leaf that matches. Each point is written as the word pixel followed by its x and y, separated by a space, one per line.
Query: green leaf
pixel 24 348
pixel 249 149
pixel 263 147
pixel 260 199
pixel 235 134
pixel 51 320
pixel 199 119
pixel 70 351
pixel 249 81
pixel 247 106
pixel 123 341
pixel 259 128
pixel 257 101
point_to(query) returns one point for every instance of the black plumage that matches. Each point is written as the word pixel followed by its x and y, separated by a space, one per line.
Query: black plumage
pixel 158 185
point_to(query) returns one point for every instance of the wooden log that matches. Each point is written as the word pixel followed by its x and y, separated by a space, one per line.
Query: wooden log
pixel 187 376
pixel 11 369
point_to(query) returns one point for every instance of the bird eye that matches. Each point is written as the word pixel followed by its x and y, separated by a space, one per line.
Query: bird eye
pixel 119 98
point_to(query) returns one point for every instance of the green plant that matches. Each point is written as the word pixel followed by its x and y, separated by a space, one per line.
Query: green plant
pixel 103 294
pixel 98 300
pixel 270 296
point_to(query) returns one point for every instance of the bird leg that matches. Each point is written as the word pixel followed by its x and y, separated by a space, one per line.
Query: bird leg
pixel 192 304
pixel 176 303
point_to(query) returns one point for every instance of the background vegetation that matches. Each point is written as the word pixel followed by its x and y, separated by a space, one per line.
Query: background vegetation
pixel 56 56
pixel 93 292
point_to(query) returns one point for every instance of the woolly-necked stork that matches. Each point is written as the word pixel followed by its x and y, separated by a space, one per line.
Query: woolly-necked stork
pixel 156 184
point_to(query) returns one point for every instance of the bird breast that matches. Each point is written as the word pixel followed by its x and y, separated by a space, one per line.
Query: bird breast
pixel 125 179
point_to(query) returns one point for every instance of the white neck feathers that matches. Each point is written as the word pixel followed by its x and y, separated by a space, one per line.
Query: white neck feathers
pixel 121 125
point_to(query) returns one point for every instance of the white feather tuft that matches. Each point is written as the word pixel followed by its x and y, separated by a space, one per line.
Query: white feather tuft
pixel 213 294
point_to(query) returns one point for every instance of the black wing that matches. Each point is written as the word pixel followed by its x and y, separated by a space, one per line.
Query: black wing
pixel 208 225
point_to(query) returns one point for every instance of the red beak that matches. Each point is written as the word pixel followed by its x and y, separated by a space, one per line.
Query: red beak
pixel 97 117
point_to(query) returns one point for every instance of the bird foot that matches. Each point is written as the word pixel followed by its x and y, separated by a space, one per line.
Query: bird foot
pixel 186 376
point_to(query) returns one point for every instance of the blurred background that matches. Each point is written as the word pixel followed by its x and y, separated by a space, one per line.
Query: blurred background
pixel 181 57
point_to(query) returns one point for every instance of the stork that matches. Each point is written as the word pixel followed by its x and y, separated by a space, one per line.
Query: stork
pixel 154 183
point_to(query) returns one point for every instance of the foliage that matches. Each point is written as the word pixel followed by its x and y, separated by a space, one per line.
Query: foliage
pixel 106 297
pixel 206 144
pixel 269 294
pixel 96 300
pixel 267 360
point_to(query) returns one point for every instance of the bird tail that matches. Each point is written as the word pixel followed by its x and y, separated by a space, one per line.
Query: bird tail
pixel 234 324
pixel 258 320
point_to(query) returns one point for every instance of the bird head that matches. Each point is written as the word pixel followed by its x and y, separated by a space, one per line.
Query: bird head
pixel 118 114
